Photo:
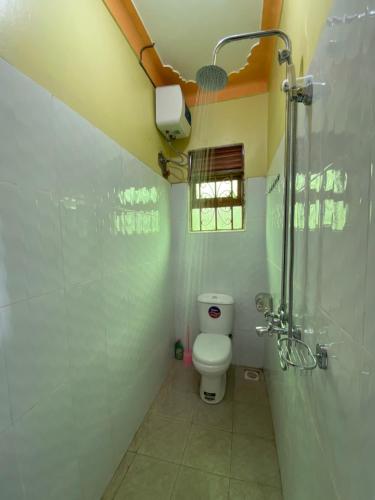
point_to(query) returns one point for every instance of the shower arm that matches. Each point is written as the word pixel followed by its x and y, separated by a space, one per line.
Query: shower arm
pixel 285 55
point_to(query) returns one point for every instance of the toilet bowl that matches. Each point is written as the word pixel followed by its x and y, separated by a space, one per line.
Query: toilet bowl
pixel 212 355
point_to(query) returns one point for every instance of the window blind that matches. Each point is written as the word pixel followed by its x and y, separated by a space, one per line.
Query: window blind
pixel 217 162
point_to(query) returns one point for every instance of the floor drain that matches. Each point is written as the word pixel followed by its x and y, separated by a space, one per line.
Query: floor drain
pixel 252 375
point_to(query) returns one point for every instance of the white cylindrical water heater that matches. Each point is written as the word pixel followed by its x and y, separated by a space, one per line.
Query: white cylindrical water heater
pixel 173 117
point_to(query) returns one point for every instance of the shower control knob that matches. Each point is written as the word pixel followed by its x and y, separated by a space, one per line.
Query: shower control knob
pixel 262 330
pixel 273 318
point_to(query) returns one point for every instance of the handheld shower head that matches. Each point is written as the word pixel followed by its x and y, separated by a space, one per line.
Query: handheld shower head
pixel 211 78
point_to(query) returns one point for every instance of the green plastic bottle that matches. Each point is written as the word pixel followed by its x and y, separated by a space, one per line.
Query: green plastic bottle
pixel 179 350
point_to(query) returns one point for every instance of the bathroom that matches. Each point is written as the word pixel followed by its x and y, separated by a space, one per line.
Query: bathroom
pixel 115 243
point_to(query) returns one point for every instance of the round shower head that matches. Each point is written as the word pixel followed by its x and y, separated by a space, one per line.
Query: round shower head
pixel 211 78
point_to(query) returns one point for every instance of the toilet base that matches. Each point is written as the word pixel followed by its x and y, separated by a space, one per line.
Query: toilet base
pixel 212 388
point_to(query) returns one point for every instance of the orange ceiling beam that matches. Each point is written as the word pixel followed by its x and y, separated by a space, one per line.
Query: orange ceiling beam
pixel 251 80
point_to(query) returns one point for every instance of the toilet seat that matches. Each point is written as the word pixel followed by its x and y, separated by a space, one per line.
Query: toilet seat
pixel 212 349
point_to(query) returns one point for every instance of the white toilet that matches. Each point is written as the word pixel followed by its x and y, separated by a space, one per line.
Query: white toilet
pixel 212 349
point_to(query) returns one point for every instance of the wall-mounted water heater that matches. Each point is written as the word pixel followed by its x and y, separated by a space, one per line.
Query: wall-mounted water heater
pixel 173 117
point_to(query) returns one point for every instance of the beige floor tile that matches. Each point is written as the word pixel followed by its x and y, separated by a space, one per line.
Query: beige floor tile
pixel 208 450
pixel 194 484
pixel 148 479
pixel 252 418
pixel 244 490
pixel 229 389
pixel 163 438
pixel 175 404
pixel 218 416
pixel 183 378
pixel 118 476
pixel 254 459
pixel 248 391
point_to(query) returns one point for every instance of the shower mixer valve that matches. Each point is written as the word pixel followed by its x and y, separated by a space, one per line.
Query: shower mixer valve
pixel 274 325
pixel 273 318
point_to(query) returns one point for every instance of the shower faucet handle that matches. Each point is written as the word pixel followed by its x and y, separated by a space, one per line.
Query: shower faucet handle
pixel 262 330
pixel 279 330
pixel 270 314
pixel 273 318
pixel 274 326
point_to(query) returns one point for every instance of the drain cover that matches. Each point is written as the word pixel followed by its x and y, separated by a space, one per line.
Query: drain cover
pixel 252 375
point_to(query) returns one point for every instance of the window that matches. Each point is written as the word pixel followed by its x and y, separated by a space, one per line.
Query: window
pixel 216 188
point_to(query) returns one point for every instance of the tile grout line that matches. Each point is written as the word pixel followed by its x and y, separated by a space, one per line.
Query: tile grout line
pixel 175 481
pixel 180 464
pixel 231 449
pixel 179 421
pixel 123 479
pixel 187 442
pixel 204 471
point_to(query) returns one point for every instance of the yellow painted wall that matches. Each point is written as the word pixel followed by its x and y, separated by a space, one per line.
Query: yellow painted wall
pixel 229 122
pixel 74 49
pixel 302 20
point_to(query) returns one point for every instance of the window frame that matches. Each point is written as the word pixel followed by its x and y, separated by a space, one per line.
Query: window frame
pixel 222 175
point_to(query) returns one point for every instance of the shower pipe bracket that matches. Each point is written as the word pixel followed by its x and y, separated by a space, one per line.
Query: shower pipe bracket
pixel 297 333
pixel 284 56
pixel 321 356
pixel 303 91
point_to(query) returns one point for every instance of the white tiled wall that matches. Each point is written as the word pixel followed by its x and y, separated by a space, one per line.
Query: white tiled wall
pixel 324 420
pixel 85 316
pixel 232 263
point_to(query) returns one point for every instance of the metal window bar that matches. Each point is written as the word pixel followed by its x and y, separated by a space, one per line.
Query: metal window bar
pixel 216 202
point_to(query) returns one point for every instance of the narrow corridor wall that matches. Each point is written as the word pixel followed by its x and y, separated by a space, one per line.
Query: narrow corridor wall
pixel 324 419
pixel 85 296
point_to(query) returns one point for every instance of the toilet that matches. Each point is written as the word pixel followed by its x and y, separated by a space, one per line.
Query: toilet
pixel 212 349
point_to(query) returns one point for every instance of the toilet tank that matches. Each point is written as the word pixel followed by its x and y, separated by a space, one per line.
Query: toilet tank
pixel 215 313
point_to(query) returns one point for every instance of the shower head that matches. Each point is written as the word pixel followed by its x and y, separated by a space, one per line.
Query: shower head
pixel 211 78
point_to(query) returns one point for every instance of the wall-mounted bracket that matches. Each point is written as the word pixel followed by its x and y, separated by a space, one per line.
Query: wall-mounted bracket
pixel 163 164
pixel 303 91
pixel 297 333
pixel 321 356
pixel 283 56
pixel 303 94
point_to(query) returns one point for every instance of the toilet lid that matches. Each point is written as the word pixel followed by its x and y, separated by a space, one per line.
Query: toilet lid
pixel 212 349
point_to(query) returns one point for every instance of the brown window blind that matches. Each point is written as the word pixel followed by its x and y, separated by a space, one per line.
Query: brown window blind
pixel 214 163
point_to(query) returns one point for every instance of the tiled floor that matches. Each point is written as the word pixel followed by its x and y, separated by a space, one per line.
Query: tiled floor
pixel 188 450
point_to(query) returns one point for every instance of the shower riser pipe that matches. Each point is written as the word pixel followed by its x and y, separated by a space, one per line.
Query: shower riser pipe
pixel 284 250
pixel 292 108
